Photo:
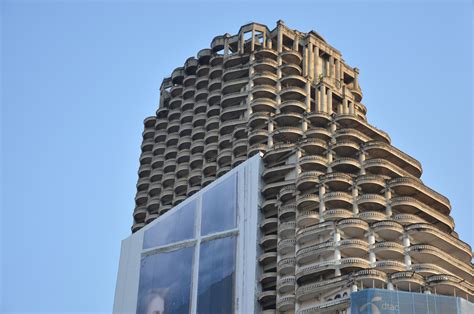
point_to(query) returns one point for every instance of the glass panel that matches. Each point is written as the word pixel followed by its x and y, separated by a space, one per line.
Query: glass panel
pixel 219 207
pixel 216 276
pixel 165 282
pixel 165 231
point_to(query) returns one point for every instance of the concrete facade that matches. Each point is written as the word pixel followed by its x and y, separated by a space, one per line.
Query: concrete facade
pixel 343 209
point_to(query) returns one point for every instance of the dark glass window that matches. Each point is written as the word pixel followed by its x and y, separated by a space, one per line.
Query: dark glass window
pixel 216 276
pixel 165 282
pixel 166 230
pixel 219 207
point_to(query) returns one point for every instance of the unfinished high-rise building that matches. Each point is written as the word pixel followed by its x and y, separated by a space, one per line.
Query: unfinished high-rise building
pixel 341 209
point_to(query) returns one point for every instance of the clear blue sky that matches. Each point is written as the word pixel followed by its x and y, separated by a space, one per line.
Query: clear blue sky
pixel 79 77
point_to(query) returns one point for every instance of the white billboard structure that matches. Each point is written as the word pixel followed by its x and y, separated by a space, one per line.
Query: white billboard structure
pixel 201 255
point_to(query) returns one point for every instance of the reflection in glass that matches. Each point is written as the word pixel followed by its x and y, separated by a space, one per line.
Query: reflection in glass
pixel 165 282
pixel 166 230
pixel 216 276
pixel 219 207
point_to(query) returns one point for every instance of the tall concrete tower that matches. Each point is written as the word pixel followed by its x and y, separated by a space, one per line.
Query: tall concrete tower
pixel 342 209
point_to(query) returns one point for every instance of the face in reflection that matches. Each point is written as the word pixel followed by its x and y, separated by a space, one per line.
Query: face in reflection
pixel 156 304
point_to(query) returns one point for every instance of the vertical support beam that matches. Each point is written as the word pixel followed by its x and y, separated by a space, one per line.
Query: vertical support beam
pixel 316 61
pixel 338 72
pixel 330 110
pixel 331 67
pixel 226 45
pixel 323 98
pixel 361 162
pixel 241 43
pixel 305 61
pixel 388 202
pixel 270 136
pixel 322 206
pixel 355 195
pixel 308 95
pixel 252 42
pixel 310 61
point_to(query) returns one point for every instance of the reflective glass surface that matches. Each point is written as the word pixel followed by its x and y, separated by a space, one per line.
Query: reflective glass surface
pixel 165 282
pixel 177 226
pixel 216 276
pixel 219 207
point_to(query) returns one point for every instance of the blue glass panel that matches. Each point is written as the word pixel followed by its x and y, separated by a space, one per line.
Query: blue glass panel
pixel 216 276
pixel 166 231
pixel 165 282
pixel 219 207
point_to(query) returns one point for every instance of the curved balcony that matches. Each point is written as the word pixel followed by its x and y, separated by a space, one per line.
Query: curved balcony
pixel 150 217
pixel 154 188
pixel 264 92
pixel 161 123
pixel 314 146
pixel 156 174
pixel 388 230
pixel 182 169
pixel 173 126
pixel 389 250
pixel 354 247
pixel 307 218
pixel 224 157
pixel 185 129
pixel 285 302
pixel 377 149
pixel 371 183
pixel 286 284
pixel 312 233
pixel 351 135
pixel 193 189
pixel 319 119
pixel 351 121
pixel 212 123
pixel 307 180
pixel 293 106
pixel 353 227
pixel 258 136
pixel 267 298
pixel 313 163
pixel 180 186
pixel 214 97
pixel 216 69
pixel 390 266
pixel 145 157
pixel 312 271
pixel 139 213
pixel 160 136
pixel 408 186
pixel 424 253
pixel 265 65
pixel 227 127
pixel 188 92
pixel 427 269
pixel 211 137
pixel 408 219
pixel 208 180
pixel 410 205
pixel 271 174
pixel 238 160
pixel 222 170
pixel 286 246
pixel 153 204
pixel 209 168
pixel 200 107
pixel 263 105
pixel 148 133
pixel 286 266
pixel 346 148
pixel 147 145
pixel 407 280
pixel 141 197
pixel 264 78
pixel 372 216
pixel 450 285
pixel 171 152
pixel 346 164
pixel 286 212
pixel 307 202
pixel 337 214
pixel 427 233
pixel 235 73
pixel 169 165
pixel 349 264
pixel 239 147
pixel 158 149
pixel 286 230
pixel 338 200
pixel 368 202
pixel 312 290
pixel 268 261
pixel 337 181
pixel 195 177
pixel 176 92
pixel 266 53
pixel 233 99
pixel 234 86
pixel 290 69
pixel 311 254
pixel 235 60
pixel 269 208
pixel 287 134
pixel 233 112
pixel 143 183
pixel 287 192
pixel 371 277
pixel 291 56
pixel 256 148
pixel 318 133
pixel 293 81
pixel 268 281
pixel 287 119
pixel 383 167
pixel 277 152
pixel 196 161
pixel 258 120
pixel 167 196
pixel 292 93
pixel 144 170
pixel 269 242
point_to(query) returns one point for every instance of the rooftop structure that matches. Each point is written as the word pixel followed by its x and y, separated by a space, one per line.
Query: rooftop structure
pixel 342 208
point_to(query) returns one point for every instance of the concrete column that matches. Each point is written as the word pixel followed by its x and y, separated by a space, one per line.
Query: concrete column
pixel 280 36
pixel 345 108
pixel 331 67
pixel 241 43
pixel 388 206
pixel 270 136
pixel 329 103
pixel 327 69
pixel 329 158
pixel 371 241
pixel 310 61
pixel 298 156
pixel 361 161
pixel 352 108
pixel 338 71
pixel 322 206
pixel 264 39
pixel 226 46
pixel 305 61
pixel 308 95
pixel 316 60
pixel 323 98
pixel 356 78
pixel 355 195
pixel 406 245
pixel 296 42
pixel 252 42
pixel 390 286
